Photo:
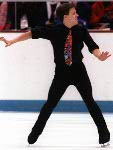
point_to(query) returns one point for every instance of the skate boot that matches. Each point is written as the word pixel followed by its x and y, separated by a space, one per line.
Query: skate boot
pixel 105 145
pixel 104 138
pixel 33 136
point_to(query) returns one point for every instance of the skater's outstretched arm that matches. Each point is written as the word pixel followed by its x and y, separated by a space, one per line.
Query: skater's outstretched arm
pixel 22 37
pixel 94 48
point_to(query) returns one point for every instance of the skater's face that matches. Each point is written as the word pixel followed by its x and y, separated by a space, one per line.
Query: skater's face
pixel 71 17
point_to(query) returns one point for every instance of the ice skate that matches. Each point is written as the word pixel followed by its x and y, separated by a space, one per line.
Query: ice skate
pixel 104 138
pixel 33 136
pixel 105 145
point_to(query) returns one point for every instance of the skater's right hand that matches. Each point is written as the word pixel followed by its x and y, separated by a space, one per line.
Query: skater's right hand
pixel 8 43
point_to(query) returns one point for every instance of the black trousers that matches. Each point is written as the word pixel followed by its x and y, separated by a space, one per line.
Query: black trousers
pixel 76 75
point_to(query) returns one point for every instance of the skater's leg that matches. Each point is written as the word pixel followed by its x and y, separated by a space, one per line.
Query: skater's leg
pixel 84 87
pixel 56 91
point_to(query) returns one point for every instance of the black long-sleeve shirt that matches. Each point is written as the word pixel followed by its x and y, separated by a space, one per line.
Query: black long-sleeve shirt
pixel 58 34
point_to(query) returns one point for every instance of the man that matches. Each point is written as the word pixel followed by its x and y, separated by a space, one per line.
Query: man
pixel 67 40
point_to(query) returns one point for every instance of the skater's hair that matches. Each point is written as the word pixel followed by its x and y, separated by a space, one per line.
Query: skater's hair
pixel 62 10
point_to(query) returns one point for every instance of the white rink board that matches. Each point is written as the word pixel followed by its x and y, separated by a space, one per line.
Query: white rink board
pixel 27 69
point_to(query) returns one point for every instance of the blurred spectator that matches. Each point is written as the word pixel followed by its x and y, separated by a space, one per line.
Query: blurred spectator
pixel 34 12
pixel 51 8
pixel 11 15
pixel 102 15
pixel 3 16
pixel 21 10
pixel 84 11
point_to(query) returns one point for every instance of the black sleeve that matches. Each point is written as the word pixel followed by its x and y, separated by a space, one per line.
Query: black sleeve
pixel 41 32
pixel 89 41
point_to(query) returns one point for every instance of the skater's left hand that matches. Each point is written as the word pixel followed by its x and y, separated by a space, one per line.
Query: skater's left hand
pixel 104 56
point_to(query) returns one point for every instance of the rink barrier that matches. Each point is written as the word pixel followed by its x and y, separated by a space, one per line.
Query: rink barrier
pixel 62 107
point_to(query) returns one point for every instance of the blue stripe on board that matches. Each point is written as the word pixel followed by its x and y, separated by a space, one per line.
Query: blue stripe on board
pixel 63 106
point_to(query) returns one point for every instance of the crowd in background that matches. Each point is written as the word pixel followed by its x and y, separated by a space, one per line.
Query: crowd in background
pixel 25 15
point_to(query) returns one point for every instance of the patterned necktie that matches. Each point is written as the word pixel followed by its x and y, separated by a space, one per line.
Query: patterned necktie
pixel 68 49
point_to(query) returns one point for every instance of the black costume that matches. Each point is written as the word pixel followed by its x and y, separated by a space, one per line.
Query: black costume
pixel 65 75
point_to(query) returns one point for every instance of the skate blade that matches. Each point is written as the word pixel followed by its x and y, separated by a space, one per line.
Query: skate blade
pixel 105 145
